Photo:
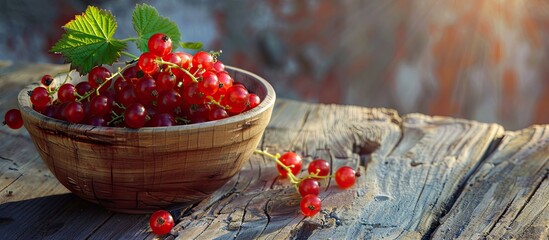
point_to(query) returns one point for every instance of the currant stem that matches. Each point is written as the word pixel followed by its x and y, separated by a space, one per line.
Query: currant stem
pixel 107 80
pixel 293 179
pixel 173 65
pixel 217 103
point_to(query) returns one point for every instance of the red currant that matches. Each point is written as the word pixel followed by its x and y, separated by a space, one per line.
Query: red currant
pixel 97 76
pixel 161 222
pixel 168 100
pixel 132 72
pixel 146 63
pixel 161 120
pixel 218 66
pixel 291 160
pixel 13 119
pixel 217 113
pixel 253 101
pixel 320 167
pixel 160 44
pixel 96 121
pixel 186 59
pixel 345 177
pixel 236 98
pixel 165 80
pixel 135 115
pixel 66 93
pixel 83 87
pixel 73 112
pixel 202 60
pixel 310 205
pixel 46 80
pixel 100 105
pixel 209 84
pixel 127 95
pixel 309 186
pixel 40 97
pixel 146 89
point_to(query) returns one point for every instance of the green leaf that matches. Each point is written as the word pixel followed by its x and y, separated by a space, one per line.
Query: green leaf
pixel 191 45
pixel 88 40
pixel 147 21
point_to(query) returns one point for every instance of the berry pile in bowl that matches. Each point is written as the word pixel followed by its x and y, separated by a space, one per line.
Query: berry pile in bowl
pixel 157 131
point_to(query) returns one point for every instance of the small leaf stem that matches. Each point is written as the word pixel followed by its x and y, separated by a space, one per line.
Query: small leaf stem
pixel 129 55
pixel 130 39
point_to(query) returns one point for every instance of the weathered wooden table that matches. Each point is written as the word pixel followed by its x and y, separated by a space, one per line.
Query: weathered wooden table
pixel 422 177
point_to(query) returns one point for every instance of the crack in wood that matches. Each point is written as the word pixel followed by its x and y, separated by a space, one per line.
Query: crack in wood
pixel 491 149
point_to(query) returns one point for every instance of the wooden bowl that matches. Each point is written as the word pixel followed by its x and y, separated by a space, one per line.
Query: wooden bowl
pixel 142 170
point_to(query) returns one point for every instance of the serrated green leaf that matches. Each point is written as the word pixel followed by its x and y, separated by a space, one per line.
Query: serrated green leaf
pixel 191 45
pixel 147 21
pixel 88 40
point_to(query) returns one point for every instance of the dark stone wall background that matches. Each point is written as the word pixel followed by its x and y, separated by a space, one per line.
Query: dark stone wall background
pixel 484 60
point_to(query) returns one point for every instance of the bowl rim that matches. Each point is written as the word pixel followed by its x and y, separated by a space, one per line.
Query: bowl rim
pixel 267 103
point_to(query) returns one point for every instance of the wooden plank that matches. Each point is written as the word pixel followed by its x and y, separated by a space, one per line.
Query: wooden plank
pixel 406 192
pixel 508 197
pixel 259 204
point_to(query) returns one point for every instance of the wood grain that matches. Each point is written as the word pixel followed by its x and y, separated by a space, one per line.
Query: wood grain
pixel 422 177
pixel 508 197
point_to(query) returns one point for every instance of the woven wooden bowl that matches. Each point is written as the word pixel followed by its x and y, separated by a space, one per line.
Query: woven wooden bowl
pixel 138 171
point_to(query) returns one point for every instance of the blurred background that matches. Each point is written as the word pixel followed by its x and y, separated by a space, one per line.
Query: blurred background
pixel 484 60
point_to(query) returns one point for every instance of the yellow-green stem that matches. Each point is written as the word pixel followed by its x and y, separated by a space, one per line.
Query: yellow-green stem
pixel 173 65
pixel 293 179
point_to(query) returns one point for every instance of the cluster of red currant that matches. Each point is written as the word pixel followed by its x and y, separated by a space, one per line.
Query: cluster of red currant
pixel 289 166
pixel 164 88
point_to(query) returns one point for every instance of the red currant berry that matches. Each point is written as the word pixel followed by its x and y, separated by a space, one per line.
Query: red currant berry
pixel 120 83
pixel 146 63
pixel 236 98
pixel 161 222
pixel 146 89
pixel 13 119
pixel 127 95
pixel 165 80
pixel 97 76
pixel 66 93
pixel 100 105
pixel 310 205
pixel 96 121
pixel 309 186
pixel 186 59
pixel 345 177
pixel 160 44
pixel 161 120
pixel 225 82
pixel 202 60
pixel 40 97
pixel 135 115
pixel 217 113
pixel 218 66
pixel 320 167
pixel 209 84
pixel 192 94
pixel 168 100
pixel 291 160
pixel 73 112
pixel 198 113
pixel 253 101
pixel 83 87
pixel 46 80
pixel 132 72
